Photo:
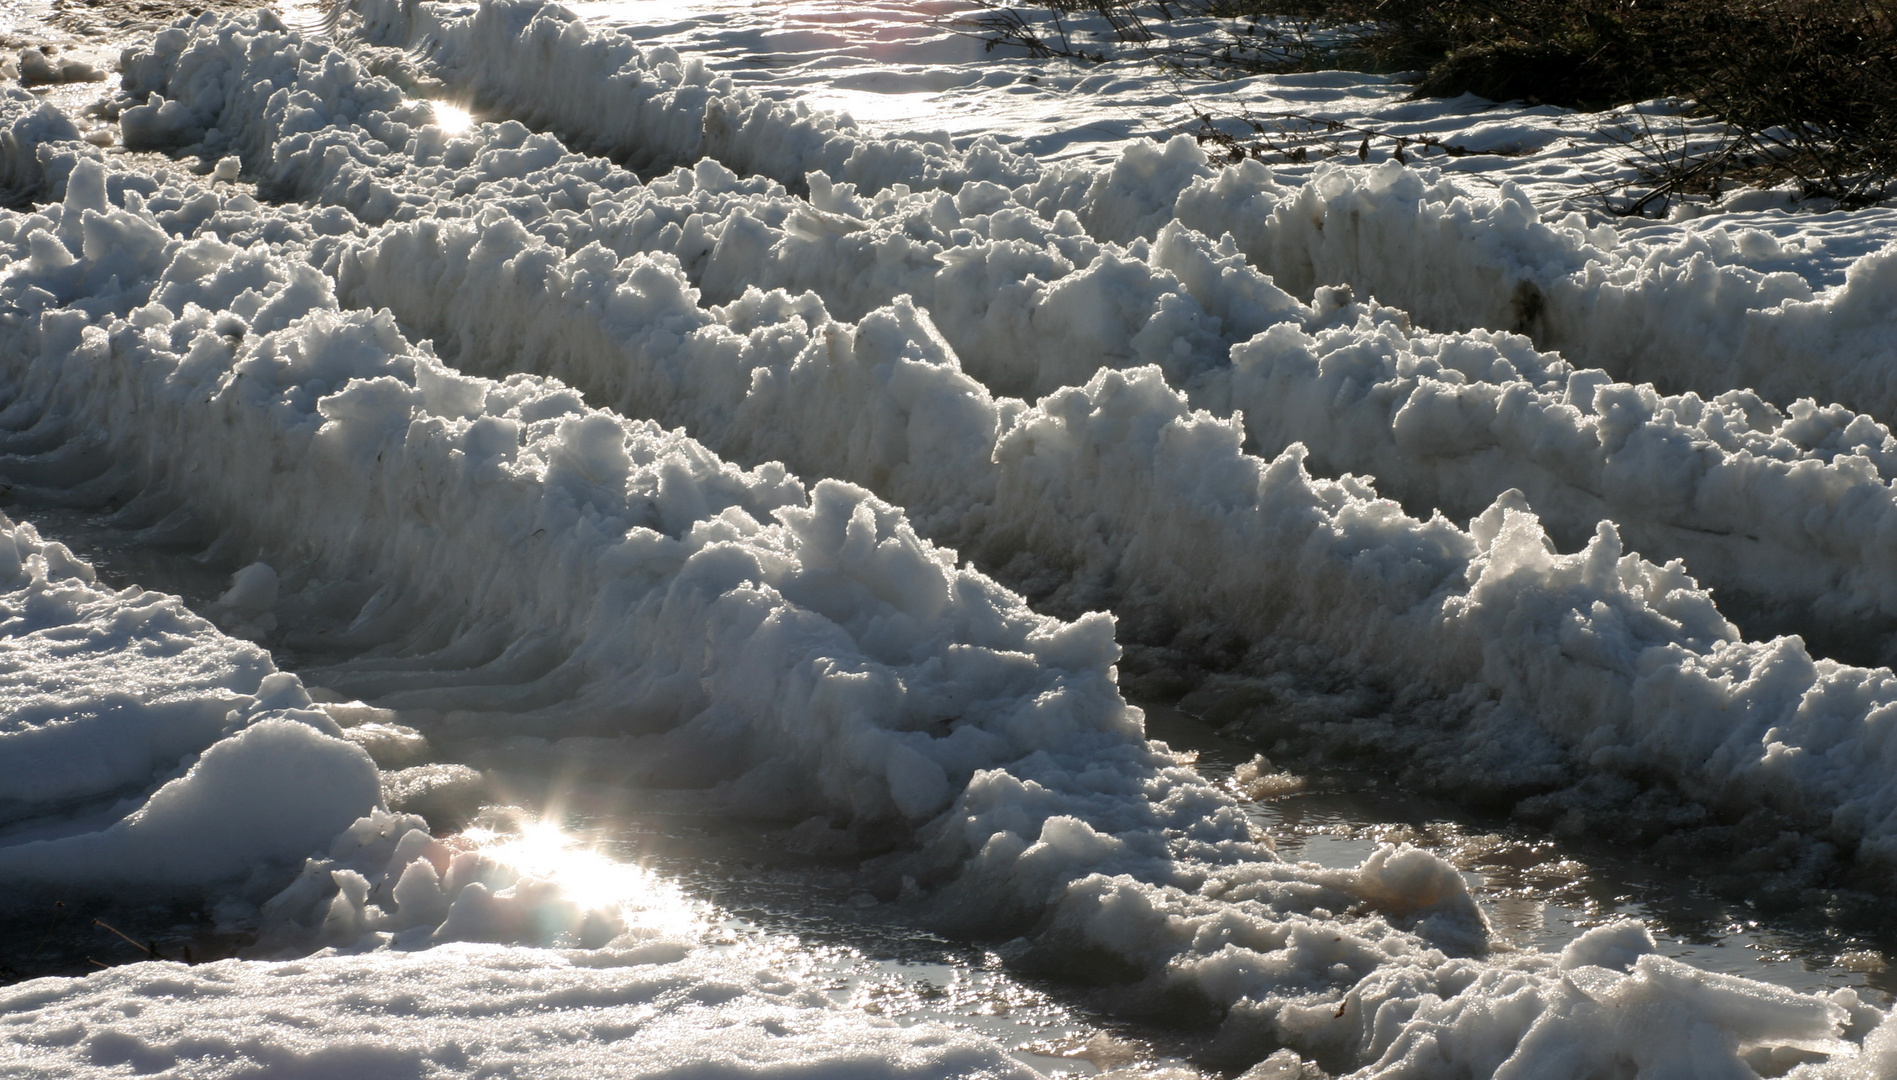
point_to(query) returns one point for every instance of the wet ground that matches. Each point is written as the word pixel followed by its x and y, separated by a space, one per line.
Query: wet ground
pixel 745 889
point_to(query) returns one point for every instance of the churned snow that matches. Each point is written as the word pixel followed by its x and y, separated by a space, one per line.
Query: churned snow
pixel 736 453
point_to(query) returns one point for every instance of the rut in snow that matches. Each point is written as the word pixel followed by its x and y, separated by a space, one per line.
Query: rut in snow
pixel 489 553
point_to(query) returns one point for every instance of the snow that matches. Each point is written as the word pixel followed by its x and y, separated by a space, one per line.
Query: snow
pixel 733 458
pixel 142 746
pixel 470 1011
pixel 1594 659
pixel 580 541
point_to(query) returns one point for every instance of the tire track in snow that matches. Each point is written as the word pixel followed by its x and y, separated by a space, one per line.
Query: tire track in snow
pixel 1445 422
pixel 227 381
pixel 1549 659
pixel 1689 316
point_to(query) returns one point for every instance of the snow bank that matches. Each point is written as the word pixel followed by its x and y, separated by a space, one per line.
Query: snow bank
pixel 1108 485
pixel 1095 494
pixel 1031 304
pixel 1786 516
pixel 1709 311
pixel 142 746
pixel 490 502
pixel 1446 422
pixel 497 546
pixel 542 552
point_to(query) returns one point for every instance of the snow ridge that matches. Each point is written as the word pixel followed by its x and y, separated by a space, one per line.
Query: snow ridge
pixel 1595 660
pixel 1691 314
pixel 477 545
pixel 1446 422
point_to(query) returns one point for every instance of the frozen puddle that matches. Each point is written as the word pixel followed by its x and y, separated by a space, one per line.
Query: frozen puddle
pixel 787 516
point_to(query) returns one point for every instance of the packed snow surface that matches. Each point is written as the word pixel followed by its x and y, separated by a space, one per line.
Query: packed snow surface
pixel 471 1011
pixel 828 470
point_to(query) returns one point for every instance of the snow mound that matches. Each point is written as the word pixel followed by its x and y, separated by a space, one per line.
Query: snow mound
pixel 142 746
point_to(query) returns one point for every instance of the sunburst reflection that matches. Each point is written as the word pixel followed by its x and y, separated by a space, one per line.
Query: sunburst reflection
pixel 540 850
pixel 452 119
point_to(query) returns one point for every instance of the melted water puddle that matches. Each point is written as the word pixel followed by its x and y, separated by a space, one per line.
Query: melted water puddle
pixel 1540 893
pixel 805 916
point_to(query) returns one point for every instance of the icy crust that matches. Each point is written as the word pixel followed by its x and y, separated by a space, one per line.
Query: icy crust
pixel 1445 422
pixel 470 1011
pixel 1590 661
pixel 141 745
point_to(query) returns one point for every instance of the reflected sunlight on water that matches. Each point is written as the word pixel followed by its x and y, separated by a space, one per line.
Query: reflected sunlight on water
pixel 540 850
pixel 452 119
pixel 876 109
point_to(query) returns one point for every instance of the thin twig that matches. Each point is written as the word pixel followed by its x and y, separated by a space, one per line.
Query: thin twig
pixel 149 950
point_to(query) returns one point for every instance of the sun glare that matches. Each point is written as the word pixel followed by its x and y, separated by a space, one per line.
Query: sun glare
pixel 589 877
pixel 871 108
pixel 452 119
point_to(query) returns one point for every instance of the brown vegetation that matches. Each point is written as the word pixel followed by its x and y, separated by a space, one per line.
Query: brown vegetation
pixel 1806 88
